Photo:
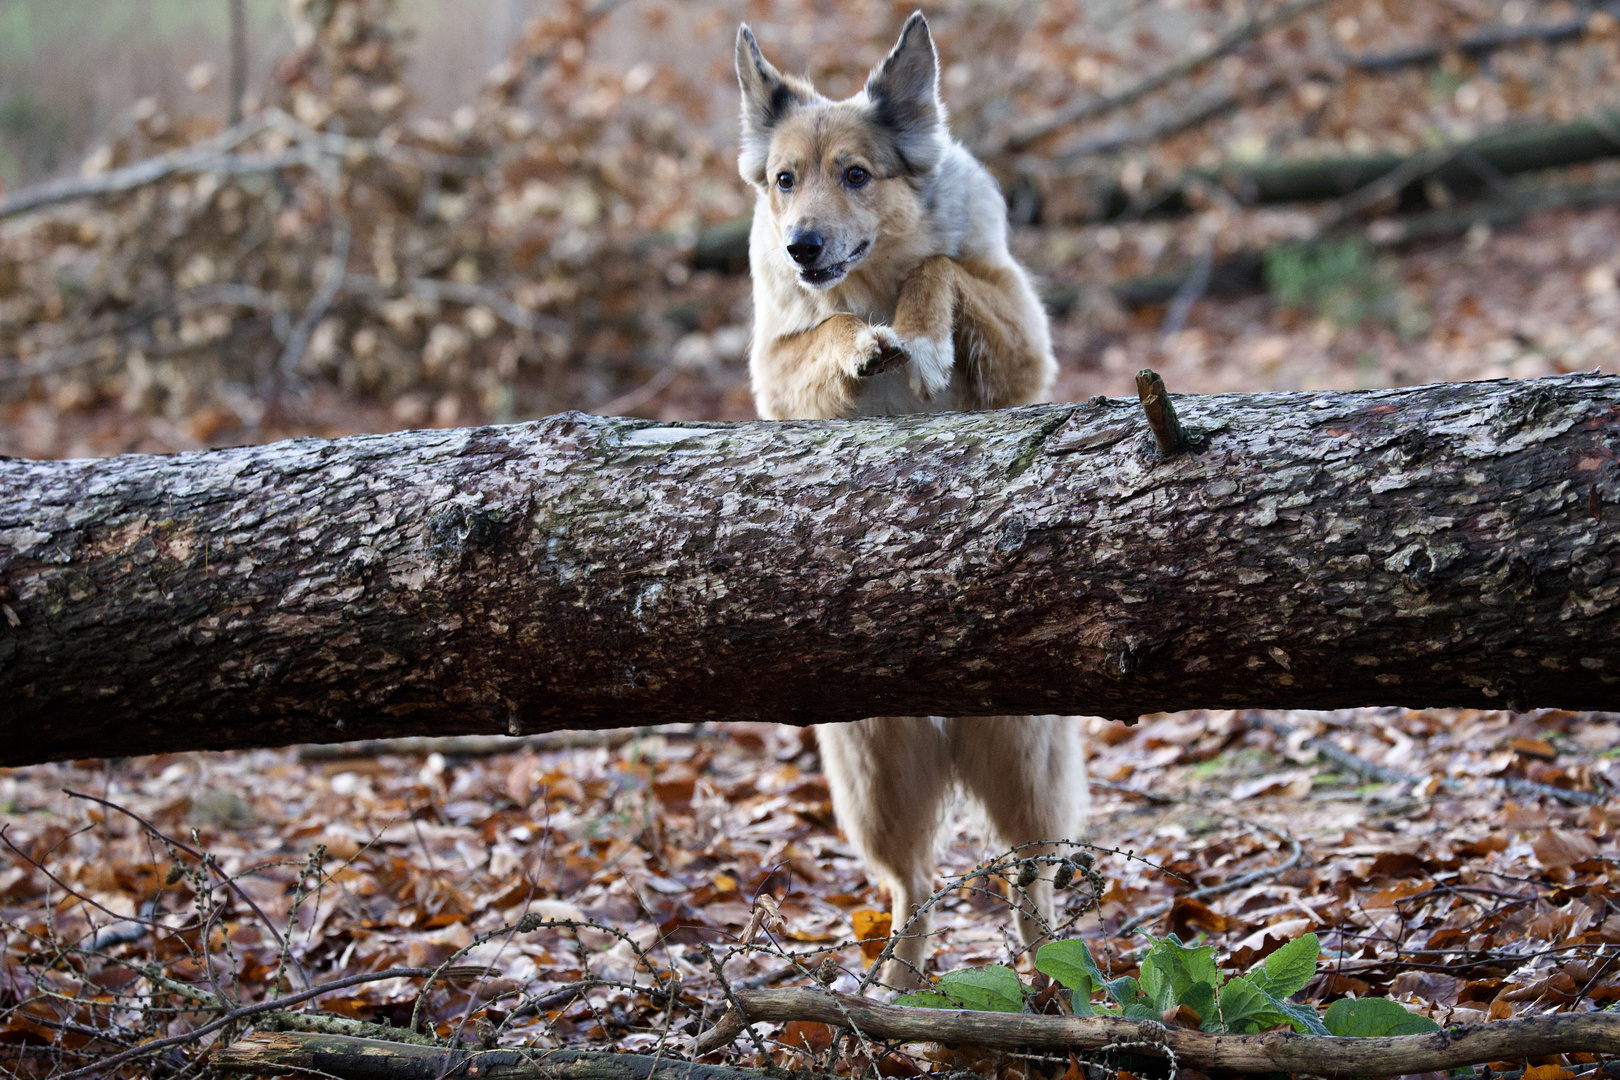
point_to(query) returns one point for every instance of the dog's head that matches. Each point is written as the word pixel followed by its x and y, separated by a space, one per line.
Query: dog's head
pixel 835 172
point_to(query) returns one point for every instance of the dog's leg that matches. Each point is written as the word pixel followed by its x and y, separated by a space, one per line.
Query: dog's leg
pixel 888 777
pixel 982 319
pixel 819 372
pixel 1030 774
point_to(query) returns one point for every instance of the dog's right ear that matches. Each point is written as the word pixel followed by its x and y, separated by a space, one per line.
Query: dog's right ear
pixel 766 99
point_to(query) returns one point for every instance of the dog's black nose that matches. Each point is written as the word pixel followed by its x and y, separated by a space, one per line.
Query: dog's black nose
pixel 805 247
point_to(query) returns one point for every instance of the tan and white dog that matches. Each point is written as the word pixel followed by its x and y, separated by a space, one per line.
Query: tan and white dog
pixel 883 284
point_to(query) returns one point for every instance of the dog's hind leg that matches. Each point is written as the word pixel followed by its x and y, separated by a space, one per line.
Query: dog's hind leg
pixel 1029 772
pixel 889 776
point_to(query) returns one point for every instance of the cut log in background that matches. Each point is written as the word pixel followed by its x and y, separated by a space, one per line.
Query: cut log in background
pixel 1446 545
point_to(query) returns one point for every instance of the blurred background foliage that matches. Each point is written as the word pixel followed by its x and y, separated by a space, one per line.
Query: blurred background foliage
pixel 434 214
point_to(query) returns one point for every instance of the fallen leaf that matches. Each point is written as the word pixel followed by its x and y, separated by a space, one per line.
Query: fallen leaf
pixel 1558 848
pixel 1536 748
pixel 872 929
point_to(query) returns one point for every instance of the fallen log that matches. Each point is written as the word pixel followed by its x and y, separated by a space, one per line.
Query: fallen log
pixel 1448 545
pixel 1466 169
pixel 1272 1051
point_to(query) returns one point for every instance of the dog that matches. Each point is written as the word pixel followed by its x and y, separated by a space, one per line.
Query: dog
pixel 882 284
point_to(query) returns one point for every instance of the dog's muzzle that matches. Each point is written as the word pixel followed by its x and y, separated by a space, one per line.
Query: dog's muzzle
pixel 806 249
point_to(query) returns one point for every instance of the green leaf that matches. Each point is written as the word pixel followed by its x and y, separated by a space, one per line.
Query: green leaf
pixel 1303 1017
pixel 1125 990
pixel 1369 1018
pixel 1199 997
pixel 1173 974
pixel 1243 1006
pixel 992 988
pixel 926 999
pixel 1069 963
pixel 1289 968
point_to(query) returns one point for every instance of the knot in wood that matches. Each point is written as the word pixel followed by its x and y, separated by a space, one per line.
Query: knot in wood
pixel 361 565
pixel 457 529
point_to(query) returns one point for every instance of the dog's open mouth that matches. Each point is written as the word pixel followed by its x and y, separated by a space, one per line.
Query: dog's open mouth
pixel 827 275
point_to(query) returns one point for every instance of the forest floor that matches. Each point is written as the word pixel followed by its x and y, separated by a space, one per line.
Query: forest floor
pixel 1458 896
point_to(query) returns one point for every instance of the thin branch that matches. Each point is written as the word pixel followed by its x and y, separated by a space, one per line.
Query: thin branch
pixel 194 158
pixel 1073 112
pixel 1476 44
pixel 321 302
pixel 214 156
pixel 289 1052
pixel 105 1064
pixel 485 745
pixel 1073 152
pixel 208 861
pixel 1231 884
pixel 1274 1051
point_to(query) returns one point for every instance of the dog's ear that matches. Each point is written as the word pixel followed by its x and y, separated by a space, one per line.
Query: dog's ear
pixel 904 93
pixel 766 98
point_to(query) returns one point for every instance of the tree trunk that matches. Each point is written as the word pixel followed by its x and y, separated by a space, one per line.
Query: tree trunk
pixel 1447 545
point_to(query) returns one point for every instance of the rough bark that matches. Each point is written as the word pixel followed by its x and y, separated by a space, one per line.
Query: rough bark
pixel 1273 1051
pixel 1448 545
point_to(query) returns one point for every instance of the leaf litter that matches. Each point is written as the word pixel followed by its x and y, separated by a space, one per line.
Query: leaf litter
pixel 568 890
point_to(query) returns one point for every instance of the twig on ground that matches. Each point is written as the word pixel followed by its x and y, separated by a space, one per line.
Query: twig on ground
pixel 1275 1051
pixel 485 745
pixel 1416 167
pixel 354 1059
pixel 208 861
pixel 236 1015
pixel 1191 291
pixel 1231 884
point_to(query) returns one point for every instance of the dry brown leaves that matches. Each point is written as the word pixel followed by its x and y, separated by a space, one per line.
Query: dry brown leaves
pixel 648 862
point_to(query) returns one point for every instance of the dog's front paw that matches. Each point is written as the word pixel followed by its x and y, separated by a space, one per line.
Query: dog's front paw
pixel 932 363
pixel 877 348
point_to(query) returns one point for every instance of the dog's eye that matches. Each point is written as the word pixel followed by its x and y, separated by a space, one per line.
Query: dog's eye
pixel 855 176
pixel 784 180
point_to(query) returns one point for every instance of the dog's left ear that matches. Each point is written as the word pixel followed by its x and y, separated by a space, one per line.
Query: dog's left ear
pixel 904 92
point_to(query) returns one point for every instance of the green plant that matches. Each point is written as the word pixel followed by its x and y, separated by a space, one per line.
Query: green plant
pixel 1339 280
pixel 1173 975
